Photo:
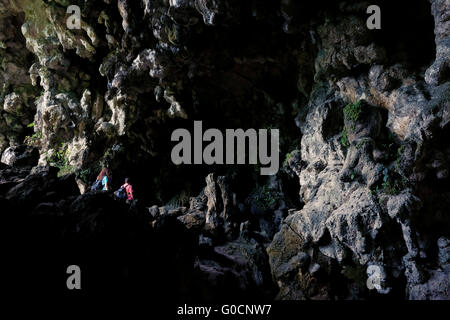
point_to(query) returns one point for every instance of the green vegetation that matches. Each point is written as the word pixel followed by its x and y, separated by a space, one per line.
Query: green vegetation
pixel 392 183
pixel 392 188
pixel 351 111
pixel 399 156
pixel 84 175
pixel 361 142
pixel 35 137
pixel 59 160
pixel 89 174
pixel 65 170
pixel 265 198
pixel 286 160
pixel 393 152
pixel 31 125
pixel 290 155
pixel 344 138
pixel 393 180
pixel 36 100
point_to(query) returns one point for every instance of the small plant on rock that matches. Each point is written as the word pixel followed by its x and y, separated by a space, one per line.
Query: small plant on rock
pixel 352 111
pixel 392 183
pixel 60 160
pixel 265 197
pixel 286 160
pixel 35 137
pixel 344 138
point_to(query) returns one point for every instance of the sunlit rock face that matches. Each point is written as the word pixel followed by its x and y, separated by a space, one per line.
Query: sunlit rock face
pixel 359 208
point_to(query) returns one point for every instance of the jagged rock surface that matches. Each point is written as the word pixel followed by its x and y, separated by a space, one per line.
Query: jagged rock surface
pixel 364 117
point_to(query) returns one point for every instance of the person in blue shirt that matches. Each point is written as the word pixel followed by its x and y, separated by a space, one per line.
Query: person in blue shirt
pixel 104 177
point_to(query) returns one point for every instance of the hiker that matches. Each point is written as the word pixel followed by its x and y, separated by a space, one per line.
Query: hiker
pixel 102 182
pixel 125 191
pixel 128 188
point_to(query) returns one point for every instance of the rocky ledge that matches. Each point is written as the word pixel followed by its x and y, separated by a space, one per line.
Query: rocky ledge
pixel 358 210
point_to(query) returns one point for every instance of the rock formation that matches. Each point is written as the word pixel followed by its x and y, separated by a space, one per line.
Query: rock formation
pixel 358 210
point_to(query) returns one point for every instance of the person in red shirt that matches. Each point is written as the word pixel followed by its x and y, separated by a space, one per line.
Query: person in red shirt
pixel 128 189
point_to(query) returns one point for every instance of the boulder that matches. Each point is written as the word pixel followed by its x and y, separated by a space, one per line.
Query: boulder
pixel 20 156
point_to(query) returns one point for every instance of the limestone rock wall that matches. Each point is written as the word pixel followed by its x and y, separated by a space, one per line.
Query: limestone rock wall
pixel 359 208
